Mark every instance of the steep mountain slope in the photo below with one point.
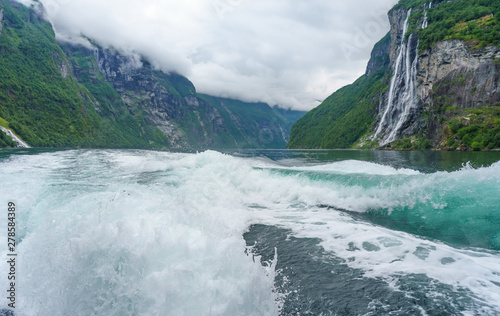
(39, 97)
(171, 103)
(54, 94)
(439, 90)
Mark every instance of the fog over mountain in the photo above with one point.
(287, 53)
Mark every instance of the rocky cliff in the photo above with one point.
(452, 61)
(456, 87)
(170, 103)
(380, 56)
(1, 20)
(433, 82)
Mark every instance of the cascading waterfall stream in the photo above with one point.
(409, 96)
(402, 96)
(393, 80)
(426, 21)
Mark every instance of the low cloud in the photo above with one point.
(287, 53)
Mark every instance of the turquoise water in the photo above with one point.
(109, 232)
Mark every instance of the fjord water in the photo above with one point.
(107, 232)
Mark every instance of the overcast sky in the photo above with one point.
(291, 53)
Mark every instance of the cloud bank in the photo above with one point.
(291, 53)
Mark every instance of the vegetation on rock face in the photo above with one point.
(473, 21)
(198, 121)
(411, 143)
(411, 4)
(471, 129)
(109, 103)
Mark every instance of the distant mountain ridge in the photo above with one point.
(62, 95)
(432, 82)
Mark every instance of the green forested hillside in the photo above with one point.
(252, 125)
(472, 21)
(342, 118)
(42, 100)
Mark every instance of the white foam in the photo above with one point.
(383, 253)
(120, 247)
(352, 167)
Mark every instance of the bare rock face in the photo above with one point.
(63, 64)
(380, 56)
(471, 79)
(1, 20)
(397, 20)
(138, 87)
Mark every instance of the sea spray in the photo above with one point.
(139, 233)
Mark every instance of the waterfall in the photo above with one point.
(408, 99)
(402, 97)
(426, 21)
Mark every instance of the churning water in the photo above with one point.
(104, 232)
